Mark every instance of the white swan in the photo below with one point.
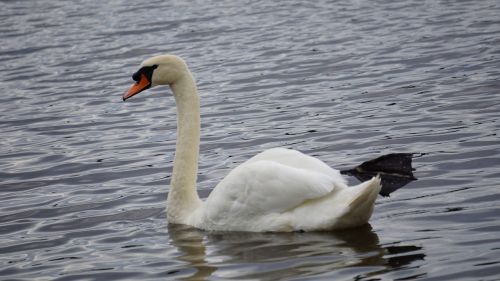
(277, 190)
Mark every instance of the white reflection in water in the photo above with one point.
(278, 255)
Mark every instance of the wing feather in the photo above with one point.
(262, 187)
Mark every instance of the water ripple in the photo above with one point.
(84, 177)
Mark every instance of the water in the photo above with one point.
(84, 177)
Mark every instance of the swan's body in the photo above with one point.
(277, 190)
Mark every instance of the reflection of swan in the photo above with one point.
(235, 255)
(190, 242)
(277, 190)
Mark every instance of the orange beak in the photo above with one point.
(138, 87)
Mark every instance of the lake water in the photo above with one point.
(84, 177)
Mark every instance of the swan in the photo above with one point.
(278, 190)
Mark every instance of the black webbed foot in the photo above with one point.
(394, 169)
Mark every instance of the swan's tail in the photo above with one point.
(366, 193)
(360, 203)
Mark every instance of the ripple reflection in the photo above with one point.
(272, 256)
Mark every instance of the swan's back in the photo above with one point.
(299, 160)
(279, 190)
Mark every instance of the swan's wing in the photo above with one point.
(297, 159)
(262, 187)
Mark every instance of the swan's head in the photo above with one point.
(159, 70)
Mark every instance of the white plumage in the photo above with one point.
(277, 190)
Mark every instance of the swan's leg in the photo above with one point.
(395, 171)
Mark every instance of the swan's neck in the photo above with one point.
(183, 198)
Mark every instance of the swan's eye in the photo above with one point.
(147, 70)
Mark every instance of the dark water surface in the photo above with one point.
(84, 177)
